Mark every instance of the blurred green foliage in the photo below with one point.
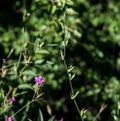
(35, 30)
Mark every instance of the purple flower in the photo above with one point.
(39, 80)
(4, 60)
(9, 119)
(62, 119)
(12, 99)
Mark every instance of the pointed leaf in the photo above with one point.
(63, 2)
(44, 52)
(28, 72)
(52, 45)
(29, 119)
(39, 61)
(52, 118)
(49, 62)
(36, 44)
(25, 86)
(54, 8)
(40, 116)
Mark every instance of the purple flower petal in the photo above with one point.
(39, 80)
(62, 119)
(9, 119)
(12, 99)
(4, 60)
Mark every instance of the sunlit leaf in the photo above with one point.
(54, 8)
(39, 61)
(63, 2)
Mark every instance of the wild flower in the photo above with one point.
(39, 80)
(9, 119)
(3, 60)
(62, 119)
(12, 99)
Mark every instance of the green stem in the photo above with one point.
(66, 68)
(22, 108)
(23, 69)
(77, 107)
(16, 64)
(33, 100)
(19, 60)
(70, 82)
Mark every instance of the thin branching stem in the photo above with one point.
(22, 108)
(66, 68)
(63, 54)
(71, 87)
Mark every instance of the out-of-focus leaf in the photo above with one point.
(52, 118)
(63, 2)
(44, 52)
(40, 116)
(25, 86)
(36, 44)
(43, 62)
(39, 61)
(52, 45)
(28, 72)
(29, 119)
(49, 62)
(54, 8)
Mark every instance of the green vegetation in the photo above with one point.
(74, 46)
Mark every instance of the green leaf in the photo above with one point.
(44, 52)
(49, 62)
(39, 61)
(52, 118)
(28, 72)
(52, 45)
(54, 8)
(43, 62)
(40, 116)
(36, 44)
(25, 86)
(29, 119)
(63, 2)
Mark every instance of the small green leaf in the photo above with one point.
(63, 2)
(36, 44)
(28, 72)
(49, 62)
(76, 33)
(29, 119)
(52, 45)
(25, 86)
(44, 52)
(72, 77)
(71, 68)
(40, 116)
(75, 95)
(52, 118)
(54, 8)
(43, 62)
(39, 61)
